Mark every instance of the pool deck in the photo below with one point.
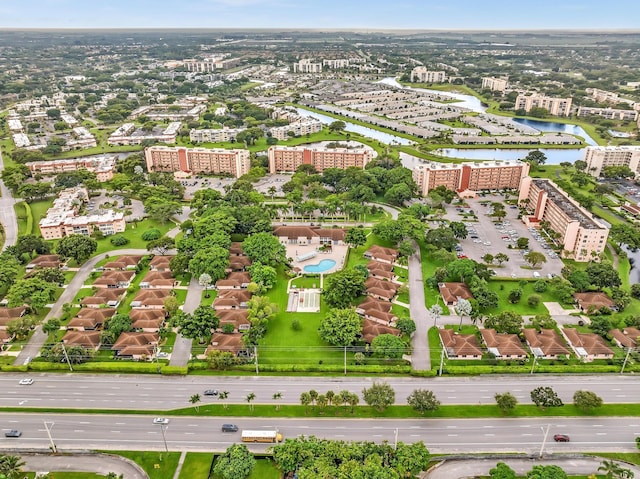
(338, 254)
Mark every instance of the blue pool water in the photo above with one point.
(321, 267)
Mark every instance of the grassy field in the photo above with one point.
(134, 233)
(502, 288)
(166, 462)
(196, 465)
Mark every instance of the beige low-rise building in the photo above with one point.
(62, 218)
(581, 236)
(304, 126)
(599, 157)
(103, 166)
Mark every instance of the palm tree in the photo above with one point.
(195, 399)
(613, 471)
(330, 395)
(354, 399)
(314, 396)
(276, 397)
(322, 402)
(272, 191)
(250, 397)
(11, 466)
(305, 400)
(344, 397)
(337, 401)
(222, 395)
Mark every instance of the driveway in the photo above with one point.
(463, 469)
(182, 347)
(97, 463)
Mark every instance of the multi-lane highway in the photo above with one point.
(153, 392)
(79, 431)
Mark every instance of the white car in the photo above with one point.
(161, 420)
(26, 382)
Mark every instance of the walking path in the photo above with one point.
(180, 464)
(182, 347)
(7, 212)
(463, 469)
(96, 463)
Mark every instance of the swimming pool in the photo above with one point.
(321, 267)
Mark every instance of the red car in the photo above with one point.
(561, 438)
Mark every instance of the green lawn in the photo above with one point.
(166, 462)
(503, 287)
(306, 282)
(265, 469)
(133, 233)
(196, 465)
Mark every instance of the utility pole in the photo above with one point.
(164, 439)
(535, 358)
(345, 360)
(255, 356)
(395, 443)
(66, 356)
(441, 361)
(544, 440)
(626, 358)
(47, 427)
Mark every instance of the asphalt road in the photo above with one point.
(461, 436)
(159, 393)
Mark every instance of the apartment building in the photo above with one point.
(127, 135)
(198, 160)
(336, 63)
(201, 66)
(305, 126)
(102, 166)
(289, 158)
(609, 113)
(555, 106)
(215, 136)
(62, 218)
(582, 236)
(598, 157)
(422, 75)
(494, 84)
(470, 177)
(306, 65)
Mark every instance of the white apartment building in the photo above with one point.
(62, 218)
(215, 136)
(609, 113)
(306, 65)
(582, 236)
(21, 140)
(14, 124)
(598, 157)
(494, 84)
(555, 106)
(301, 127)
(202, 66)
(338, 63)
(82, 138)
(127, 135)
(422, 75)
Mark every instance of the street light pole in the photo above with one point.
(395, 444)
(535, 358)
(544, 440)
(164, 439)
(47, 427)
(66, 356)
(626, 358)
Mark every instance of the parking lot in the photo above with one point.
(485, 236)
(262, 185)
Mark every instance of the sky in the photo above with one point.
(324, 14)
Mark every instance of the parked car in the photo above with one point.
(561, 438)
(12, 433)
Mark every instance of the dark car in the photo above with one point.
(211, 392)
(561, 438)
(12, 433)
(229, 428)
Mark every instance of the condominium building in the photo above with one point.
(301, 127)
(102, 166)
(555, 106)
(422, 75)
(472, 177)
(127, 135)
(599, 157)
(494, 84)
(582, 236)
(201, 66)
(289, 158)
(198, 160)
(609, 113)
(307, 66)
(215, 136)
(62, 218)
(336, 63)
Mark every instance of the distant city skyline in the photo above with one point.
(501, 15)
